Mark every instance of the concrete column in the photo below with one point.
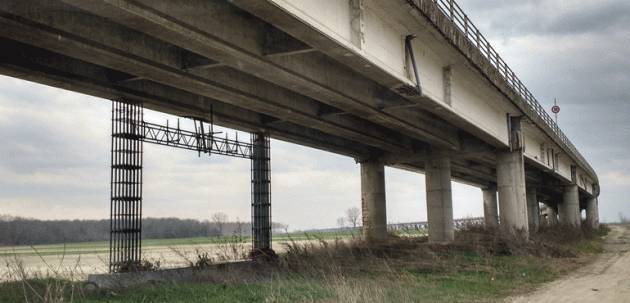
(552, 215)
(569, 209)
(439, 198)
(490, 209)
(512, 197)
(533, 210)
(373, 200)
(592, 212)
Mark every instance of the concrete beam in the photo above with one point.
(490, 207)
(569, 209)
(373, 200)
(312, 74)
(470, 168)
(278, 43)
(97, 41)
(439, 198)
(37, 65)
(512, 197)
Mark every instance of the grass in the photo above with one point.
(482, 278)
(481, 266)
(474, 279)
(103, 246)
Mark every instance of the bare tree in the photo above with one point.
(352, 215)
(623, 219)
(341, 222)
(219, 219)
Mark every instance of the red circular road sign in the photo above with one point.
(555, 109)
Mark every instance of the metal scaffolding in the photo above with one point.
(126, 187)
(198, 140)
(129, 131)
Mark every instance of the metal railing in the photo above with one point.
(460, 20)
(457, 223)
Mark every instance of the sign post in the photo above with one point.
(555, 109)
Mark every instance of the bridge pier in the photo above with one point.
(569, 209)
(373, 202)
(533, 210)
(261, 195)
(490, 209)
(552, 214)
(512, 194)
(592, 212)
(439, 198)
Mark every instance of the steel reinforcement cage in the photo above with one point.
(454, 13)
(126, 187)
(261, 192)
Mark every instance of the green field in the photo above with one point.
(103, 246)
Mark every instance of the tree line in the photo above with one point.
(26, 231)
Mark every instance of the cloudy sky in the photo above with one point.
(54, 155)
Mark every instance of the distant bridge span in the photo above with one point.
(404, 83)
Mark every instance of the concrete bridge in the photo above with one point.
(411, 84)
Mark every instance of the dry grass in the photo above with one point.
(480, 265)
(55, 284)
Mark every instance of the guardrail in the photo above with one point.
(458, 224)
(460, 20)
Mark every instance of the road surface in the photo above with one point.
(607, 279)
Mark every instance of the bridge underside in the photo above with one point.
(254, 76)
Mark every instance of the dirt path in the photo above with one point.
(605, 280)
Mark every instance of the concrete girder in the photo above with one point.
(241, 47)
(40, 66)
(269, 11)
(342, 146)
(478, 171)
(470, 149)
(281, 16)
(455, 174)
(58, 30)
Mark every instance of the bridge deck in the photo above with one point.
(333, 78)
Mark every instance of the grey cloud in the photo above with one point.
(547, 17)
